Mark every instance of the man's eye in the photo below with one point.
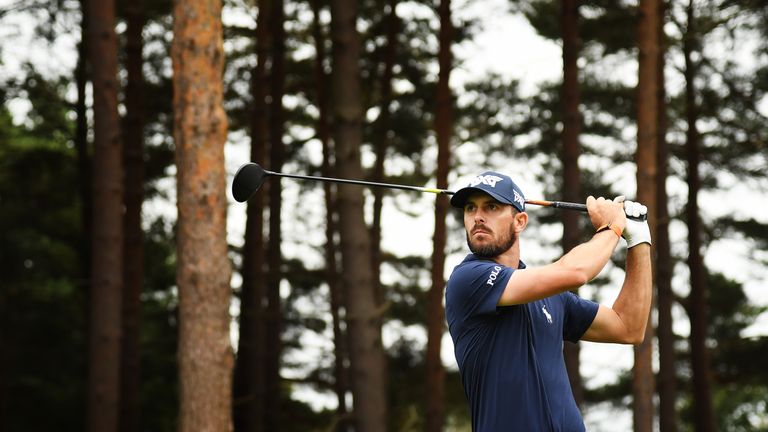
(492, 206)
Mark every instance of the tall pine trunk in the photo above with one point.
(645, 159)
(107, 230)
(203, 268)
(365, 346)
(435, 382)
(340, 373)
(133, 250)
(249, 391)
(381, 143)
(274, 313)
(569, 157)
(84, 167)
(704, 420)
(667, 380)
(82, 149)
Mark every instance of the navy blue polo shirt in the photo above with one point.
(511, 357)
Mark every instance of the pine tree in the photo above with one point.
(200, 127)
(435, 379)
(107, 235)
(133, 249)
(365, 346)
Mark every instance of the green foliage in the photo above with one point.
(605, 27)
(42, 301)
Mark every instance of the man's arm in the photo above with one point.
(626, 320)
(580, 265)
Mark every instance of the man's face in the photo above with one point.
(489, 225)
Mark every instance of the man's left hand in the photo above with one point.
(636, 231)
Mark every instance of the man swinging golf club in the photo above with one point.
(508, 321)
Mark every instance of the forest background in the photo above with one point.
(130, 302)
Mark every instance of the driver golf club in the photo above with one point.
(251, 176)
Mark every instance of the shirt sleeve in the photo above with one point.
(474, 288)
(579, 314)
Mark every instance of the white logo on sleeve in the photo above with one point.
(489, 179)
(493, 276)
(549, 317)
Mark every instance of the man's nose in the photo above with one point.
(479, 216)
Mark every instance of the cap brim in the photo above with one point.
(460, 197)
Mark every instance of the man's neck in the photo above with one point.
(510, 258)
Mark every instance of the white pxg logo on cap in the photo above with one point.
(497, 185)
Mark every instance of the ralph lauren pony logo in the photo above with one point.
(549, 317)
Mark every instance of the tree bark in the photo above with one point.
(645, 159)
(340, 372)
(82, 148)
(274, 312)
(435, 380)
(703, 416)
(203, 269)
(667, 381)
(107, 230)
(382, 129)
(133, 249)
(249, 391)
(569, 158)
(365, 346)
(380, 144)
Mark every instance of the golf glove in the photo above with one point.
(636, 231)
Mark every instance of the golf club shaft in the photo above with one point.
(250, 176)
(554, 204)
(362, 183)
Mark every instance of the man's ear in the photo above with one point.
(521, 221)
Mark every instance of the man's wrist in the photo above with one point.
(609, 226)
(635, 246)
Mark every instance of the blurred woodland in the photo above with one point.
(115, 318)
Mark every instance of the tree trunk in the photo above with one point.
(274, 312)
(107, 232)
(365, 346)
(84, 166)
(435, 379)
(703, 415)
(570, 160)
(645, 159)
(133, 249)
(382, 129)
(667, 382)
(203, 268)
(81, 147)
(380, 144)
(341, 383)
(249, 391)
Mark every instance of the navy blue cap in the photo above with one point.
(497, 185)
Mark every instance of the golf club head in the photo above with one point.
(247, 181)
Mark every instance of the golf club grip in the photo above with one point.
(575, 206)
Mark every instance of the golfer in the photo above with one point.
(508, 321)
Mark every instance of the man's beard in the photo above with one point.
(492, 250)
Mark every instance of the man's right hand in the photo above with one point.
(603, 212)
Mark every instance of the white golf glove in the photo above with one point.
(636, 232)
